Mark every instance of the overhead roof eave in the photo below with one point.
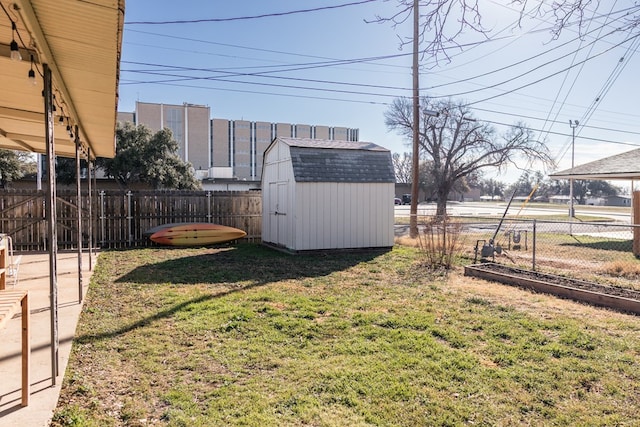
(623, 166)
(602, 176)
(81, 44)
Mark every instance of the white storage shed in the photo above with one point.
(327, 194)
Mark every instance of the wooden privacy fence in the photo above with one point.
(120, 218)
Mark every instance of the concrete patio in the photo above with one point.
(33, 275)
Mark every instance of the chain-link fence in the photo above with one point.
(592, 251)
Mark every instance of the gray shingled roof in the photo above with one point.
(317, 160)
(621, 166)
(331, 143)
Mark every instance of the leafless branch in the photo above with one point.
(441, 22)
(565, 12)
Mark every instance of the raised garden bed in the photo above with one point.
(620, 299)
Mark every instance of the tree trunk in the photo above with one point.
(441, 209)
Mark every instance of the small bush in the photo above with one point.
(440, 242)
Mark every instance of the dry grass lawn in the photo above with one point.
(249, 336)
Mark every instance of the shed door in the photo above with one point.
(278, 212)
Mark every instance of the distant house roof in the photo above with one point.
(317, 160)
(621, 166)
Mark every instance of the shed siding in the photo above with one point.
(343, 215)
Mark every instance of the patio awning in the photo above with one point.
(59, 70)
(81, 42)
(621, 166)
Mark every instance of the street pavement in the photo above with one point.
(490, 209)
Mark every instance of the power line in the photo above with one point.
(477, 76)
(263, 93)
(359, 60)
(243, 18)
(284, 67)
(336, 62)
(251, 48)
(227, 80)
(523, 116)
(388, 104)
(573, 65)
(613, 76)
(257, 74)
(543, 78)
(566, 134)
(568, 92)
(190, 39)
(182, 78)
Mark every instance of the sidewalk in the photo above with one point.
(34, 276)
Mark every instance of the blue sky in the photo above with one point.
(309, 73)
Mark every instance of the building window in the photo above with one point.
(175, 121)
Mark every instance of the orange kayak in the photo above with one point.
(195, 234)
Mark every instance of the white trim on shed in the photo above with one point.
(321, 194)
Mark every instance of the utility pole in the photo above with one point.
(573, 124)
(415, 176)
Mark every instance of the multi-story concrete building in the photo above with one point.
(221, 149)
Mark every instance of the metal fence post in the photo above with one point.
(533, 267)
(209, 206)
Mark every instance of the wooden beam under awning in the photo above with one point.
(17, 114)
(33, 143)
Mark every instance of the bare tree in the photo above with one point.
(459, 146)
(402, 167)
(442, 21)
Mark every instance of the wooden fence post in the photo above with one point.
(102, 218)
